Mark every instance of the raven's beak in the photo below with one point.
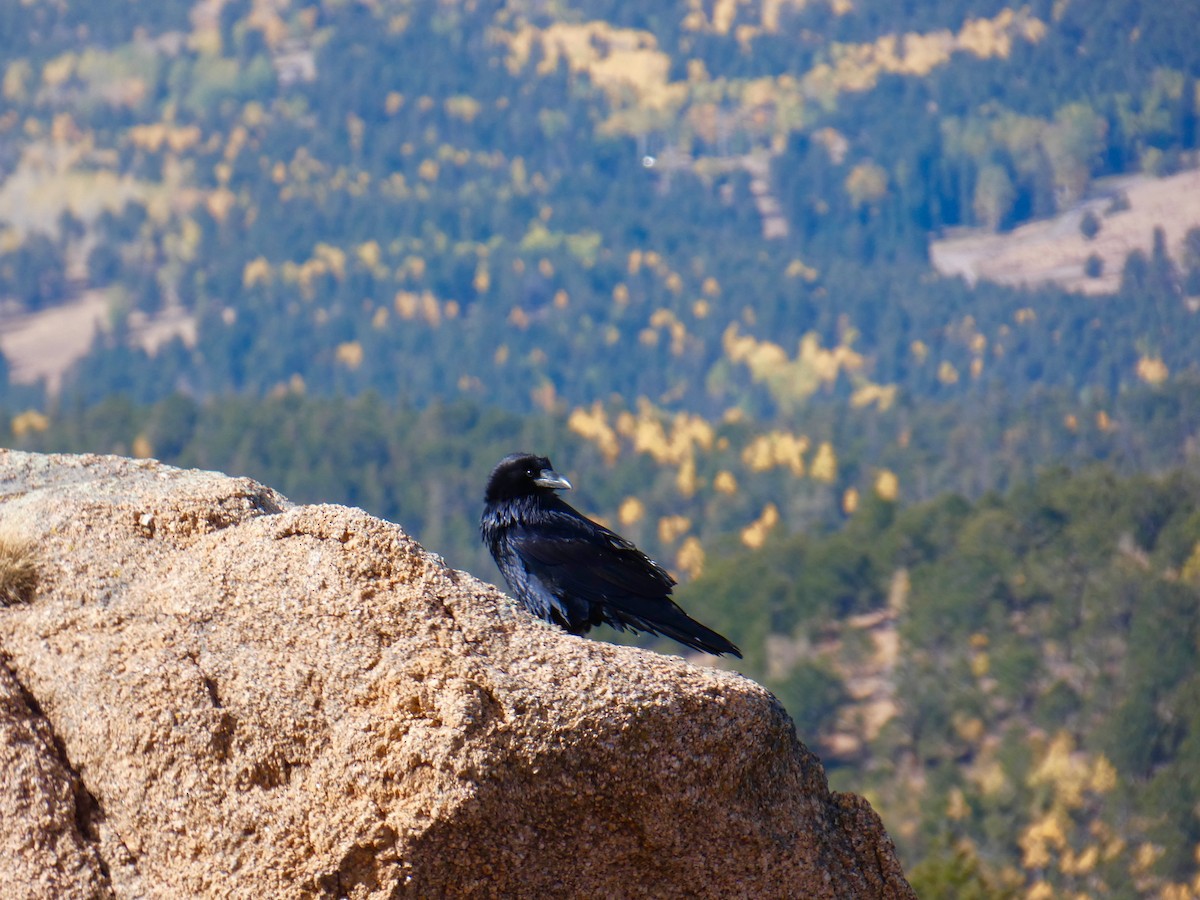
(548, 478)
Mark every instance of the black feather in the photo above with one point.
(571, 571)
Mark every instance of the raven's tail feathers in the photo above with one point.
(679, 626)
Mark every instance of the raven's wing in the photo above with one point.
(587, 560)
(598, 576)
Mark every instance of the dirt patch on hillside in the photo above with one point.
(44, 345)
(1055, 250)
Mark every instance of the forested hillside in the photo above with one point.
(1014, 678)
(698, 236)
(360, 249)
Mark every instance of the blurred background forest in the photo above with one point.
(876, 323)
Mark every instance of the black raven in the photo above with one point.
(567, 569)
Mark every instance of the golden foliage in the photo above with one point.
(349, 354)
(649, 435)
(836, 144)
(631, 511)
(774, 449)
(723, 14)
(947, 374)
(1181, 891)
(219, 203)
(753, 19)
(430, 311)
(483, 279)
(265, 17)
(988, 37)
(1152, 370)
(142, 448)
(255, 272)
(18, 77)
(463, 107)
(625, 63)
(29, 422)
(725, 483)
(672, 528)
(592, 425)
(428, 170)
(883, 396)
(518, 317)
(1145, 857)
(1063, 769)
(857, 67)
(794, 381)
(887, 485)
(797, 268)
(411, 306)
(685, 477)
(545, 397)
(981, 664)
(1041, 837)
(1191, 568)
(369, 254)
(866, 184)
(63, 129)
(956, 805)
(690, 558)
(414, 268)
(1103, 777)
(57, 71)
(824, 464)
(519, 176)
(755, 534)
(666, 319)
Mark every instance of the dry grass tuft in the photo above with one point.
(18, 570)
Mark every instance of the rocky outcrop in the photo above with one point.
(212, 692)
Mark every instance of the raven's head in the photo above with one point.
(523, 475)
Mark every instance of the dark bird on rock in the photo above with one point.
(571, 571)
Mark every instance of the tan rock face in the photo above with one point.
(215, 693)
